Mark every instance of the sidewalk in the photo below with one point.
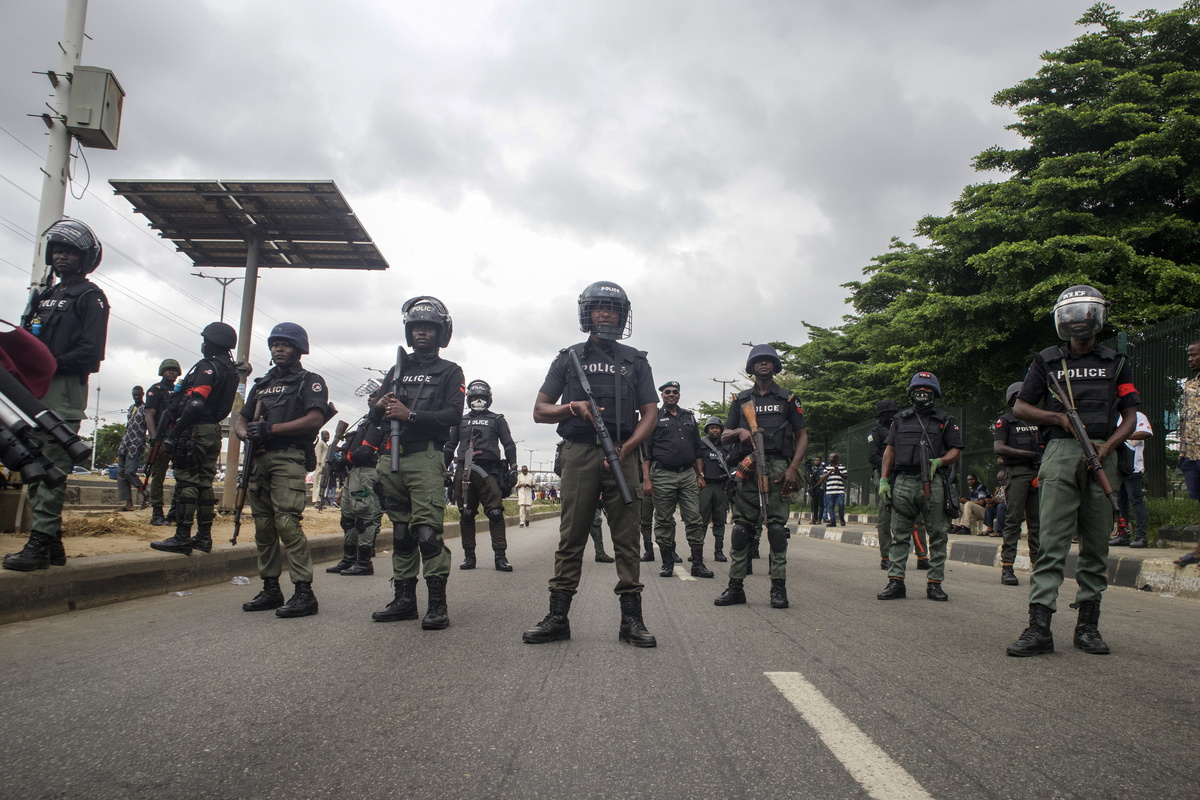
(1148, 570)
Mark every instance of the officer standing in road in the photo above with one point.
(646, 495)
(785, 438)
(714, 497)
(360, 508)
(486, 433)
(885, 412)
(429, 403)
(676, 477)
(160, 414)
(1100, 383)
(71, 319)
(194, 441)
(283, 412)
(1019, 446)
(623, 385)
(922, 424)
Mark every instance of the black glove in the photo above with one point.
(168, 442)
(259, 431)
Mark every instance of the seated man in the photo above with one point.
(996, 511)
(973, 506)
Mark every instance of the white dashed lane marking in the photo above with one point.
(873, 769)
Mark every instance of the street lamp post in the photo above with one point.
(224, 285)
(723, 385)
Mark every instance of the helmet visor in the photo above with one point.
(1079, 319)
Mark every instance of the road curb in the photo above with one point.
(101, 580)
(1146, 569)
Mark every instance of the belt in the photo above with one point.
(662, 466)
(907, 470)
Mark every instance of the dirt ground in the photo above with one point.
(93, 533)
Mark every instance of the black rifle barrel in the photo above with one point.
(606, 442)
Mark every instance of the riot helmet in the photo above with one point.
(1010, 394)
(1080, 313)
(291, 333)
(885, 410)
(923, 389)
(220, 334)
(713, 421)
(759, 352)
(605, 294)
(479, 395)
(74, 233)
(427, 309)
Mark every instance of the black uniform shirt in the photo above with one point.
(74, 326)
(491, 434)
(876, 444)
(600, 362)
(779, 415)
(287, 394)
(675, 443)
(214, 379)
(434, 391)
(1101, 382)
(910, 427)
(1019, 435)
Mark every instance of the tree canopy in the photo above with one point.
(1106, 191)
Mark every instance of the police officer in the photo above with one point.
(885, 412)
(71, 319)
(195, 439)
(922, 424)
(676, 477)
(360, 510)
(646, 495)
(283, 412)
(429, 403)
(485, 432)
(1019, 445)
(161, 409)
(1072, 502)
(785, 438)
(623, 385)
(714, 499)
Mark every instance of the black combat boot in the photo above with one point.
(648, 555)
(934, 591)
(894, 591)
(468, 561)
(668, 562)
(754, 549)
(58, 553)
(436, 617)
(675, 556)
(734, 594)
(180, 543)
(632, 629)
(156, 517)
(1087, 630)
(779, 593)
(348, 553)
(555, 627)
(885, 563)
(270, 597)
(719, 549)
(34, 555)
(698, 568)
(1037, 638)
(922, 563)
(202, 541)
(404, 606)
(1007, 576)
(1120, 540)
(363, 565)
(502, 564)
(1137, 543)
(647, 548)
(302, 604)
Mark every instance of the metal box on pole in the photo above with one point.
(94, 114)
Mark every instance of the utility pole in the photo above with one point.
(96, 430)
(224, 285)
(723, 385)
(56, 172)
(531, 452)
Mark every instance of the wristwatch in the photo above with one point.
(412, 416)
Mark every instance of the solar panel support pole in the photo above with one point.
(254, 243)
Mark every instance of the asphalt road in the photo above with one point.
(840, 696)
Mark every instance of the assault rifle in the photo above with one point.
(926, 471)
(1089, 450)
(331, 458)
(606, 442)
(243, 481)
(759, 456)
(164, 423)
(397, 424)
(464, 479)
(720, 456)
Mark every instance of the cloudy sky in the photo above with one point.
(729, 164)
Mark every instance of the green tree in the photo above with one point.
(108, 439)
(1106, 191)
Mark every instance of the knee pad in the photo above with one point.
(740, 539)
(402, 540)
(777, 536)
(288, 528)
(468, 514)
(429, 541)
(206, 509)
(347, 524)
(495, 514)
